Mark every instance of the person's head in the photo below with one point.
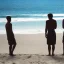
(8, 18)
(50, 15)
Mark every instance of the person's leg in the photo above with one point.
(53, 49)
(14, 45)
(49, 49)
(63, 43)
(63, 48)
(10, 49)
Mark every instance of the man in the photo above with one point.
(63, 35)
(50, 34)
(10, 36)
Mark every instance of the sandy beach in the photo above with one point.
(30, 44)
(30, 49)
(31, 59)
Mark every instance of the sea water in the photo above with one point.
(30, 21)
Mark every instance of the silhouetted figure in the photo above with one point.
(50, 34)
(63, 35)
(10, 36)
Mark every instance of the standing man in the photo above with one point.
(10, 36)
(50, 34)
(63, 35)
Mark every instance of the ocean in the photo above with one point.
(30, 21)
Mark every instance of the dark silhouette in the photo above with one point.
(10, 36)
(50, 34)
(63, 35)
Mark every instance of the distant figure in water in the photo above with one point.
(10, 36)
(63, 35)
(50, 34)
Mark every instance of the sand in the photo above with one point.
(31, 59)
(30, 44)
(31, 49)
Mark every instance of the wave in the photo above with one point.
(30, 31)
(43, 15)
(32, 15)
(29, 19)
(30, 22)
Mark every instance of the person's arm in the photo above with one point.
(11, 28)
(46, 30)
(6, 28)
(55, 24)
(63, 24)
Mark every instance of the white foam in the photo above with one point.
(29, 19)
(26, 19)
(2, 32)
(42, 14)
(30, 31)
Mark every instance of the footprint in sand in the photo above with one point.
(13, 63)
(29, 57)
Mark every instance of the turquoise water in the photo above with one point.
(30, 23)
(29, 16)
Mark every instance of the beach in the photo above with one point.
(31, 44)
(28, 18)
(31, 49)
(31, 59)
